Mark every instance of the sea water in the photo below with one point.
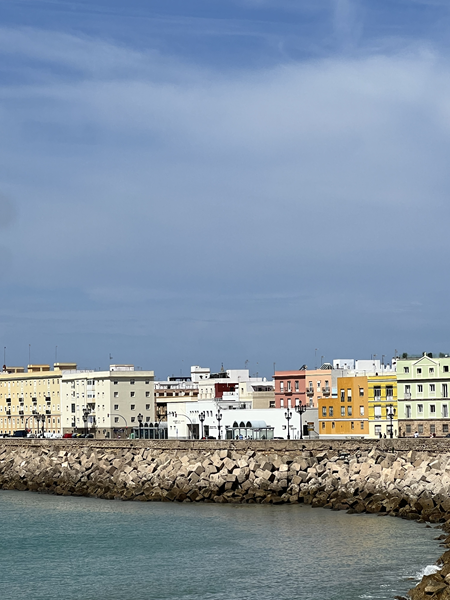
(67, 548)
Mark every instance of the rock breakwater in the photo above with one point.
(382, 478)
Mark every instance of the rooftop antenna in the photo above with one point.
(315, 359)
(4, 355)
(56, 354)
(29, 354)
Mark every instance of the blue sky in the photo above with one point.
(213, 182)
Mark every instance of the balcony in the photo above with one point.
(326, 391)
(48, 411)
(8, 411)
(21, 412)
(407, 395)
(310, 391)
(8, 400)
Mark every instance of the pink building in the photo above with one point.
(290, 388)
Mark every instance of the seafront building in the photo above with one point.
(345, 414)
(423, 395)
(382, 405)
(107, 404)
(31, 399)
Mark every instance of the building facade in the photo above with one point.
(31, 399)
(108, 404)
(290, 388)
(382, 402)
(423, 395)
(345, 414)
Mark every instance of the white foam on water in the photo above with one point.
(428, 570)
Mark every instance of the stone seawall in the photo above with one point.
(405, 478)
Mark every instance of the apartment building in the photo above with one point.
(31, 399)
(423, 395)
(345, 414)
(290, 388)
(108, 404)
(382, 402)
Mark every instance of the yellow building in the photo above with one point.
(31, 399)
(382, 400)
(345, 415)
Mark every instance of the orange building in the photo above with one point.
(346, 414)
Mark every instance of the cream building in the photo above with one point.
(107, 403)
(31, 399)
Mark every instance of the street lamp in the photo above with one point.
(140, 418)
(288, 415)
(43, 424)
(390, 413)
(219, 418)
(300, 409)
(201, 418)
(85, 419)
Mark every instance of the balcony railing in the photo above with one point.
(8, 400)
(326, 391)
(310, 391)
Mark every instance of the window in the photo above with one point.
(349, 411)
(377, 392)
(408, 429)
(445, 368)
(332, 425)
(362, 424)
(116, 407)
(432, 428)
(116, 394)
(132, 394)
(115, 382)
(408, 411)
(420, 429)
(432, 409)
(432, 388)
(431, 370)
(73, 408)
(377, 429)
(445, 428)
(342, 395)
(318, 385)
(420, 408)
(361, 391)
(289, 386)
(349, 394)
(296, 386)
(324, 411)
(282, 402)
(389, 392)
(147, 407)
(147, 394)
(361, 411)
(323, 424)
(444, 390)
(419, 371)
(297, 402)
(116, 419)
(445, 411)
(330, 411)
(405, 369)
(342, 411)
(419, 388)
(133, 419)
(281, 385)
(131, 381)
(147, 382)
(271, 403)
(133, 407)
(353, 425)
(377, 410)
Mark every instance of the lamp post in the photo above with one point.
(140, 418)
(390, 413)
(300, 409)
(85, 419)
(288, 415)
(43, 424)
(201, 418)
(219, 418)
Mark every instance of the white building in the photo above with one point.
(107, 403)
(183, 421)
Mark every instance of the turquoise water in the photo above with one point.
(63, 548)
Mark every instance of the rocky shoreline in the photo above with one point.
(358, 477)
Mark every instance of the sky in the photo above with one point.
(253, 183)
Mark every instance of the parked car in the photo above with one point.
(20, 433)
(67, 435)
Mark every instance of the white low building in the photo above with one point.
(183, 421)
